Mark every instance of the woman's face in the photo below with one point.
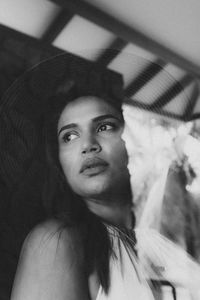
(91, 151)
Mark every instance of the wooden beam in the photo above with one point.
(172, 92)
(191, 104)
(195, 116)
(127, 33)
(146, 107)
(31, 41)
(111, 52)
(146, 75)
(57, 26)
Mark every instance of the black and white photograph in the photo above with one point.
(99, 150)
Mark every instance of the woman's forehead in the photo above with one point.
(87, 107)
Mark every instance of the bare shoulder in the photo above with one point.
(50, 239)
(51, 265)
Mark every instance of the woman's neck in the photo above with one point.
(118, 214)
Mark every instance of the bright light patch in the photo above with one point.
(131, 62)
(83, 38)
(27, 16)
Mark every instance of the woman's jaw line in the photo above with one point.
(117, 211)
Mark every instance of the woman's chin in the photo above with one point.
(95, 188)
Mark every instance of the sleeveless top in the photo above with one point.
(156, 258)
(127, 281)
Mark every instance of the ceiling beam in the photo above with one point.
(146, 75)
(191, 104)
(112, 51)
(146, 107)
(172, 92)
(129, 34)
(57, 26)
(30, 41)
(195, 116)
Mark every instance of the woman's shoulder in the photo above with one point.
(51, 239)
(53, 229)
(51, 263)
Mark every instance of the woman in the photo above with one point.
(86, 247)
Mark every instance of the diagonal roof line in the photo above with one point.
(112, 51)
(131, 35)
(146, 75)
(57, 26)
(172, 92)
(187, 115)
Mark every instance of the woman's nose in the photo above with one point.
(90, 144)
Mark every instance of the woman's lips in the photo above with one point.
(93, 166)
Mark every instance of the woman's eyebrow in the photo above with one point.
(96, 119)
(107, 116)
(68, 126)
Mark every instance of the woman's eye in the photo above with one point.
(105, 127)
(68, 137)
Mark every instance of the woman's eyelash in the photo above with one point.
(106, 126)
(69, 136)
